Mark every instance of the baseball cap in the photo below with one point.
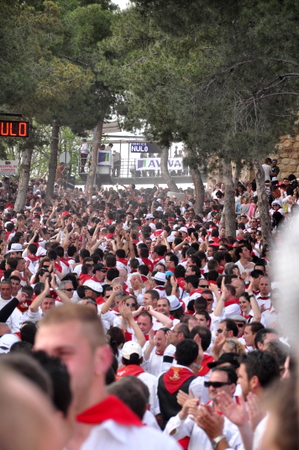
(231, 358)
(131, 347)
(99, 266)
(6, 341)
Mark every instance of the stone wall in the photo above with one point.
(288, 156)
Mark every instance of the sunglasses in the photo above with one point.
(69, 289)
(130, 304)
(46, 267)
(204, 286)
(220, 330)
(241, 325)
(216, 384)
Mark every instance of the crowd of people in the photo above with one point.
(127, 320)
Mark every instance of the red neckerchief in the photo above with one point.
(212, 282)
(94, 278)
(128, 371)
(204, 369)
(255, 292)
(124, 261)
(109, 235)
(180, 281)
(157, 260)
(233, 301)
(148, 263)
(159, 288)
(158, 232)
(84, 277)
(144, 278)
(159, 353)
(264, 298)
(109, 409)
(175, 377)
(100, 300)
(246, 317)
(23, 307)
(196, 291)
(65, 261)
(33, 258)
(220, 269)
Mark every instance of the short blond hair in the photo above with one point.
(91, 322)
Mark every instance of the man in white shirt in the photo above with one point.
(75, 334)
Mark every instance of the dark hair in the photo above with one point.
(231, 326)
(232, 376)
(255, 326)
(186, 352)
(61, 382)
(261, 334)
(127, 391)
(116, 338)
(192, 279)
(262, 365)
(205, 335)
(28, 332)
(112, 273)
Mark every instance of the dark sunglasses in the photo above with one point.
(46, 267)
(69, 289)
(204, 286)
(216, 384)
(130, 304)
(241, 325)
(220, 330)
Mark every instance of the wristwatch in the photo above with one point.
(216, 441)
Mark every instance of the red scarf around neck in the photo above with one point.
(109, 409)
(130, 370)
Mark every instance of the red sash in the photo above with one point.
(58, 267)
(175, 377)
(109, 409)
(130, 370)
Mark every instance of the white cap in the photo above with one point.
(97, 287)
(184, 229)
(160, 276)
(131, 347)
(6, 341)
(149, 216)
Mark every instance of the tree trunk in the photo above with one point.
(53, 160)
(229, 200)
(24, 178)
(91, 176)
(164, 171)
(199, 190)
(237, 172)
(263, 202)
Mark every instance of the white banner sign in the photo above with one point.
(155, 164)
(8, 167)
